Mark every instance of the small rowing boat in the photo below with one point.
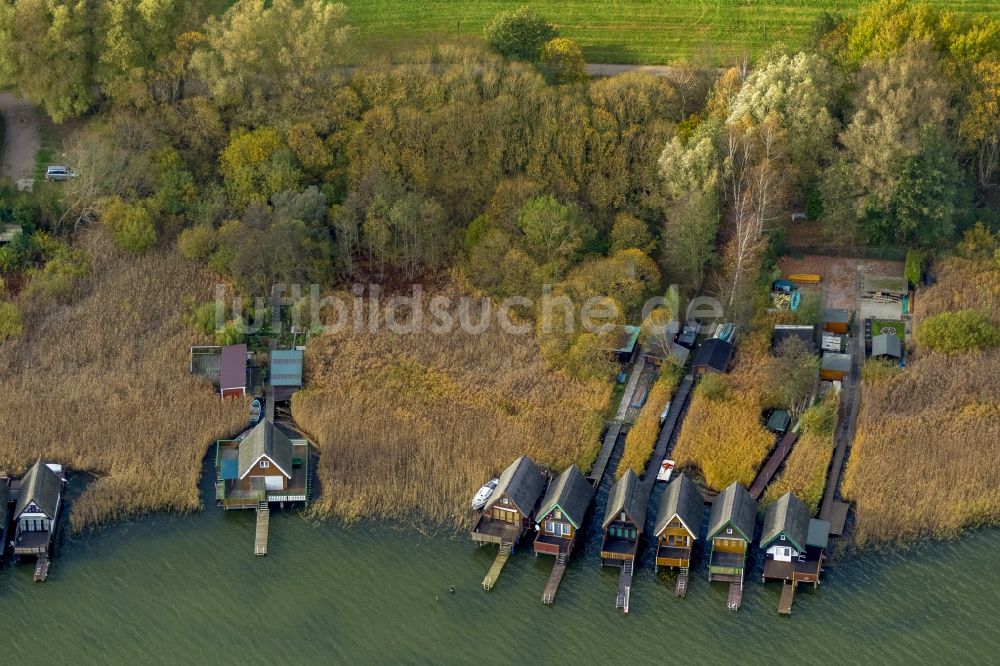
(666, 469)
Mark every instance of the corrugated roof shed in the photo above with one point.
(233, 367)
(887, 345)
(683, 500)
(627, 495)
(788, 516)
(837, 315)
(736, 508)
(571, 492)
(266, 438)
(42, 486)
(714, 353)
(522, 482)
(286, 367)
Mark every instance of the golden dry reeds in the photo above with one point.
(409, 426)
(805, 469)
(923, 460)
(103, 385)
(641, 438)
(722, 435)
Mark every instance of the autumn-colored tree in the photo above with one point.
(519, 33)
(257, 164)
(130, 224)
(563, 60)
(980, 126)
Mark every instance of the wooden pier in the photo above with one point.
(770, 467)
(735, 596)
(552, 587)
(624, 586)
(494, 573)
(263, 522)
(42, 568)
(787, 594)
(681, 589)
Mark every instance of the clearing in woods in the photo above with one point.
(631, 31)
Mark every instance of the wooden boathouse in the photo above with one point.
(624, 520)
(36, 515)
(794, 546)
(508, 513)
(678, 523)
(730, 532)
(559, 521)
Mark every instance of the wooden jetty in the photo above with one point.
(42, 568)
(263, 521)
(770, 467)
(494, 573)
(735, 596)
(837, 517)
(601, 463)
(552, 586)
(624, 586)
(787, 594)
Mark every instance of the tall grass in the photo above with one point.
(723, 436)
(411, 425)
(641, 439)
(923, 462)
(804, 473)
(102, 385)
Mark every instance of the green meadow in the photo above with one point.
(624, 31)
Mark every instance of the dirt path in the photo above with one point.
(22, 137)
(597, 69)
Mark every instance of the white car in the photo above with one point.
(59, 173)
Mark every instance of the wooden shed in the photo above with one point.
(508, 513)
(730, 531)
(624, 520)
(792, 542)
(835, 367)
(782, 332)
(625, 344)
(713, 355)
(678, 523)
(888, 346)
(560, 516)
(836, 320)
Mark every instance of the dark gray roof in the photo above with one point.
(819, 533)
(522, 482)
(628, 495)
(837, 362)
(837, 315)
(42, 486)
(736, 508)
(714, 353)
(887, 345)
(571, 492)
(233, 367)
(682, 499)
(788, 516)
(784, 332)
(265, 438)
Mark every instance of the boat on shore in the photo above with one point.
(666, 470)
(483, 494)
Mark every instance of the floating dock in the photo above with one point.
(494, 573)
(263, 522)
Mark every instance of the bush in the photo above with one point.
(518, 34)
(130, 223)
(629, 232)
(231, 333)
(879, 370)
(958, 332)
(197, 243)
(714, 387)
(57, 280)
(914, 266)
(563, 60)
(10, 321)
(203, 319)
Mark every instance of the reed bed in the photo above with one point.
(410, 425)
(641, 438)
(102, 385)
(723, 436)
(805, 470)
(922, 463)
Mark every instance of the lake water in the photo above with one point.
(174, 589)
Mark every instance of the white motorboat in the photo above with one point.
(483, 496)
(666, 469)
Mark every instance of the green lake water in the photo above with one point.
(188, 589)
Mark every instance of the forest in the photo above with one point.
(246, 138)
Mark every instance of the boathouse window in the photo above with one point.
(729, 530)
(550, 527)
(264, 464)
(623, 517)
(557, 514)
(782, 537)
(564, 529)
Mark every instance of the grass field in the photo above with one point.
(624, 31)
(880, 326)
